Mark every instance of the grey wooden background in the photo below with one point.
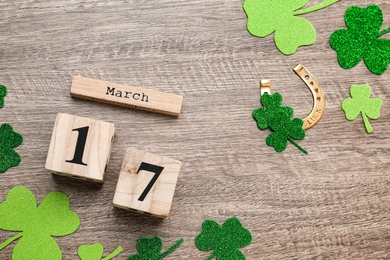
(330, 204)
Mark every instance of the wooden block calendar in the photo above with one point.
(127, 96)
(80, 147)
(146, 183)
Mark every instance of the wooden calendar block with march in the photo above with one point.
(80, 147)
(147, 183)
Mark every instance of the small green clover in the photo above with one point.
(3, 93)
(9, 139)
(362, 103)
(224, 241)
(95, 252)
(278, 119)
(150, 249)
(285, 129)
(362, 40)
(272, 104)
(37, 225)
(280, 17)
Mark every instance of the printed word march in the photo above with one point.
(126, 94)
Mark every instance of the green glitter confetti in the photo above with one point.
(37, 225)
(362, 40)
(150, 249)
(280, 17)
(362, 103)
(95, 252)
(3, 93)
(9, 139)
(278, 119)
(225, 240)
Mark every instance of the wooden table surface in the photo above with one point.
(330, 204)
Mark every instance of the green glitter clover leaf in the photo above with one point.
(150, 249)
(95, 252)
(37, 225)
(280, 17)
(3, 93)
(9, 139)
(272, 104)
(362, 40)
(362, 103)
(278, 119)
(224, 241)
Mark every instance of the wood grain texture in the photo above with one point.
(330, 204)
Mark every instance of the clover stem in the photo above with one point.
(211, 256)
(367, 124)
(173, 248)
(10, 240)
(116, 252)
(381, 33)
(297, 145)
(313, 8)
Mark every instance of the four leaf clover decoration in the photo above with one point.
(37, 225)
(281, 18)
(9, 139)
(362, 40)
(150, 249)
(95, 252)
(224, 241)
(362, 103)
(278, 119)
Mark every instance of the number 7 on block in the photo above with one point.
(150, 168)
(147, 183)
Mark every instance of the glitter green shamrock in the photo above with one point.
(9, 139)
(36, 225)
(362, 40)
(150, 249)
(3, 93)
(281, 18)
(362, 103)
(95, 252)
(278, 119)
(224, 241)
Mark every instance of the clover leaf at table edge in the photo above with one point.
(362, 40)
(9, 139)
(149, 248)
(280, 17)
(3, 93)
(95, 252)
(36, 225)
(225, 241)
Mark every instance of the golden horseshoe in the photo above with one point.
(316, 91)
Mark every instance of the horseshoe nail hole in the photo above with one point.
(312, 83)
(316, 90)
(307, 77)
(319, 99)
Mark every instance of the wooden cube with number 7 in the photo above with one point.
(80, 147)
(147, 183)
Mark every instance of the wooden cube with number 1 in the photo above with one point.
(147, 183)
(80, 147)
